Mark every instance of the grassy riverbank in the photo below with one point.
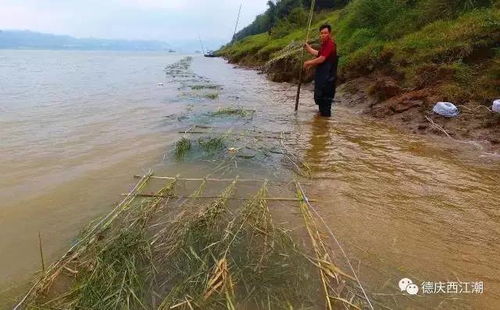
(404, 56)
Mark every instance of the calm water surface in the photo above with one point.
(74, 127)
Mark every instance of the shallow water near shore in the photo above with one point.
(76, 126)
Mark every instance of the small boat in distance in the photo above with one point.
(210, 54)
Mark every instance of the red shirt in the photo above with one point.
(328, 50)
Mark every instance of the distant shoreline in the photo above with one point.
(25, 39)
(84, 50)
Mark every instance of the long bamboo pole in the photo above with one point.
(213, 180)
(201, 43)
(237, 21)
(40, 246)
(219, 197)
(311, 13)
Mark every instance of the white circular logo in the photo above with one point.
(412, 289)
(407, 285)
(403, 283)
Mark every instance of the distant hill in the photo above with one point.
(24, 39)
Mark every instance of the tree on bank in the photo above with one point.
(290, 12)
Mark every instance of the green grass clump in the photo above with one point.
(232, 112)
(211, 145)
(120, 270)
(182, 147)
(212, 96)
(198, 87)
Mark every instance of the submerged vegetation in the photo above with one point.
(179, 68)
(192, 85)
(155, 252)
(233, 148)
(208, 145)
(212, 96)
(198, 87)
(233, 112)
(211, 145)
(182, 147)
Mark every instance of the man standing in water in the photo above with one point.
(326, 70)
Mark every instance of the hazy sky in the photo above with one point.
(164, 20)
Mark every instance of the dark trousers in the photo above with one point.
(324, 93)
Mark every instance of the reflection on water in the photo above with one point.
(408, 208)
(402, 206)
(320, 137)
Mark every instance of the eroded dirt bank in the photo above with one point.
(381, 98)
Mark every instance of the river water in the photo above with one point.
(76, 126)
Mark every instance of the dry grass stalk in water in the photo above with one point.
(228, 259)
(220, 254)
(44, 283)
(114, 271)
(301, 168)
(221, 280)
(333, 279)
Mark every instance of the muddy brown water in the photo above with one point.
(401, 206)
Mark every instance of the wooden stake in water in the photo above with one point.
(41, 251)
(311, 13)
